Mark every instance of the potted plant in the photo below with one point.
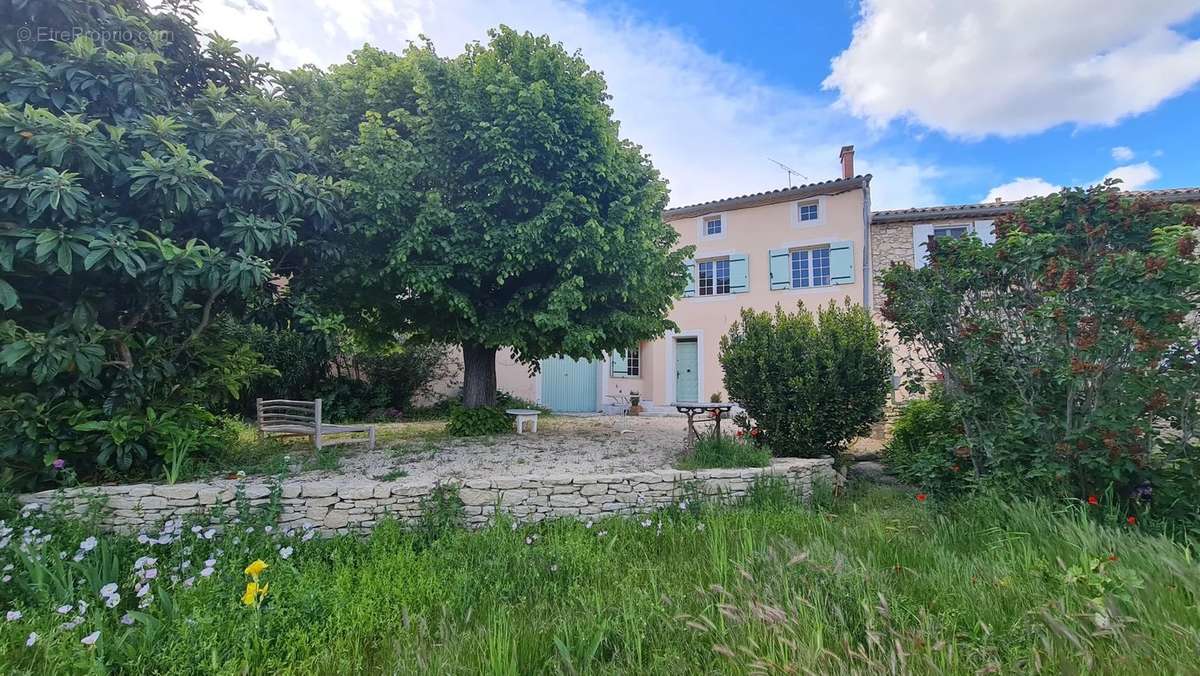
(635, 403)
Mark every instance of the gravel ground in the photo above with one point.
(563, 445)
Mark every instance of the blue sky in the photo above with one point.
(945, 101)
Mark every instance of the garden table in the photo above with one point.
(711, 412)
(522, 416)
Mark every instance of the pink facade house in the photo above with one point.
(809, 244)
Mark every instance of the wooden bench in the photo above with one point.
(522, 416)
(286, 417)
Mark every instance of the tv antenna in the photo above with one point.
(789, 171)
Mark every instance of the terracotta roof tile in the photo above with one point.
(832, 187)
(999, 208)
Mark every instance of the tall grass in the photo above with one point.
(724, 452)
(879, 583)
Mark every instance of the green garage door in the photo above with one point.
(569, 385)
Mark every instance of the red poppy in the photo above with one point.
(1092, 500)
(1131, 520)
(754, 432)
(921, 497)
(1112, 557)
(740, 433)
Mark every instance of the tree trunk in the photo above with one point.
(479, 376)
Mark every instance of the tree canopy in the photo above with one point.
(495, 204)
(148, 184)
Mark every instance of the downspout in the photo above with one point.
(868, 273)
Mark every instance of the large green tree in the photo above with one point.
(496, 205)
(149, 180)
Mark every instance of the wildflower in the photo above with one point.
(189, 582)
(8, 567)
(268, 529)
(142, 538)
(142, 590)
(683, 505)
(529, 540)
(1093, 500)
(150, 573)
(127, 619)
(71, 624)
(12, 615)
(33, 637)
(255, 569)
(554, 568)
(308, 535)
(208, 534)
(249, 529)
(921, 497)
(88, 544)
(700, 527)
(6, 578)
(196, 530)
(647, 523)
(206, 572)
(209, 563)
(112, 600)
(601, 533)
(1131, 520)
(108, 590)
(285, 552)
(63, 610)
(740, 434)
(91, 638)
(58, 463)
(254, 594)
(590, 523)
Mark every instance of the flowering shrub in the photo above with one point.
(1066, 347)
(927, 447)
(810, 382)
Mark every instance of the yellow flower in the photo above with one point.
(251, 594)
(256, 568)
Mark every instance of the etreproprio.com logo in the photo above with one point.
(58, 34)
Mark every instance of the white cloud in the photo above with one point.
(1012, 67)
(1122, 153)
(246, 21)
(1020, 188)
(708, 125)
(1134, 176)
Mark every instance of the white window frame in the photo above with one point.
(792, 251)
(713, 260)
(633, 357)
(819, 202)
(965, 227)
(702, 226)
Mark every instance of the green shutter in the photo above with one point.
(620, 365)
(691, 285)
(781, 269)
(739, 274)
(841, 263)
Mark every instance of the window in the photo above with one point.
(810, 267)
(713, 226)
(714, 277)
(951, 232)
(809, 212)
(628, 367)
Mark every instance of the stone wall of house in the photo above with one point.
(890, 243)
(350, 504)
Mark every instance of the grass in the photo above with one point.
(874, 584)
(711, 452)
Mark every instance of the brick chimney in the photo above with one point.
(847, 156)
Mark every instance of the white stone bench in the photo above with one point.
(524, 415)
(287, 417)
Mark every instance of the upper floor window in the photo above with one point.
(810, 267)
(713, 226)
(809, 212)
(713, 277)
(951, 231)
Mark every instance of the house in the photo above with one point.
(814, 243)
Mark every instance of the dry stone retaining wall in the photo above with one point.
(348, 504)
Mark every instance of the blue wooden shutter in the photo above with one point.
(986, 232)
(690, 290)
(620, 365)
(739, 274)
(841, 263)
(921, 235)
(781, 269)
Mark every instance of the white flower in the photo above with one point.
(12, 615)
(700, 527)
(196, 529)
(127, 619)
(108, 590)
(590, 524)
(8, 567)
(63, 555)
(83, 606)
(189, 582)
(6, 578)
(268, 529)
(91, 638)
(68, 626)
(88, 544)
(647, 523)
(112, 600)
(209, 563)
(683, 504)
(206, 572)
(150, 573)
(285, 552)
(308, 535)
(142, 538)
(601, 533)
(33, 637)
(208, 534)
(529, 540)
(249, 529)
(63, 610)
(512, 526)
(554, 568)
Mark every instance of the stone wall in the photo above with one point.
(890, 243)
(349, 504)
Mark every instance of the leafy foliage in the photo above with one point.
(809, 383)
(496, 205)
(146, 184)
(474, 422)
(1068, 346)
(927, 447)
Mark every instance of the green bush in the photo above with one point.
(475, 422)
(927, 447)
(727, 451)
(1066, 346)
(810, 383)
